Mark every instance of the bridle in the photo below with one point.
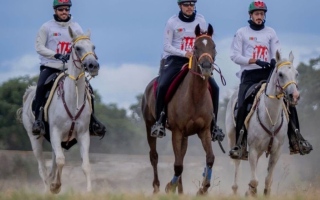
(198, 58)
(78, 59)
(282, 88)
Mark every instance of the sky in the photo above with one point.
(128, 36)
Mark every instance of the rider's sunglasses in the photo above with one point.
(63, 9)
(186, 4)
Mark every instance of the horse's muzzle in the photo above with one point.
(92, 67)
(206, 68)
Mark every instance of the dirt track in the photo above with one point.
(124, 173)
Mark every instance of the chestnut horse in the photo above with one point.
(189, 112)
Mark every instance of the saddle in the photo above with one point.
(51, 85)
(174, 84)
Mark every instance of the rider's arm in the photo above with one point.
(236, 51)
(168, 38)
(274, 45)
(41, 42)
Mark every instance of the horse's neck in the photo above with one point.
(270, 107)
(197, 86)
(74, 89)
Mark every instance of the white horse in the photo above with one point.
(268, 124)
(68, 101)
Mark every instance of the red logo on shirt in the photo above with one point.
(187, 43)
(64, 47)
(260, 52)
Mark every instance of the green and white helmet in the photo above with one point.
(57, 3)
(257, 5)
(181, 1)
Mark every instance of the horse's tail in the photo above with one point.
(25, 96)
(19, 114)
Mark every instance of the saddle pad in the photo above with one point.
(53, 90)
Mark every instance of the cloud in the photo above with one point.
(25, 65)
(121, 84)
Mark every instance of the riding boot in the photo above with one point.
(38, 127)
(297, 144)
(216, 132)
(96, 128)
(239, 151)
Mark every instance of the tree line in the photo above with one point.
(126, 133)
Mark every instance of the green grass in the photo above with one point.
(24, 195)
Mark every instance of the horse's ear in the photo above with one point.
(88, 33)
(278, 56)
(291, 57)
(210, 30)
(197, 31)
(71, 33)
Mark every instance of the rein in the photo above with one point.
(211, 60)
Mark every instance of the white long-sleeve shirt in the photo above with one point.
(52, 38)
(179, 36)
(248, 43)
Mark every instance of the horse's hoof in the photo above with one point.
(170, 188)
(202, 192)
(55, 188)
(156, 190)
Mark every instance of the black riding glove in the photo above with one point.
(263, 64)
(63, 58)
(273, 63)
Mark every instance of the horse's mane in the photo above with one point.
(28, 91)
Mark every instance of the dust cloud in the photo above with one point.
(133, 173)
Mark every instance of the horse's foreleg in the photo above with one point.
(206, 143)
(84, 143)
(55, 186)
(274, 157)
(184, 147)
(37, 151)
(236, 176)
(153, 154)
(253, 160)
(177, 143)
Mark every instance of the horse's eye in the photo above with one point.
(280, 75)
(78, 49)
(195, 48)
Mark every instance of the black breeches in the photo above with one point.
(214, 96)
(172, 68)
(45, 72)
(248, 78)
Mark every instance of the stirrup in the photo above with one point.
(38, 128)
(304, 147)
(96, 128)
(238, 152)
(217, 134)
(158, 130)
